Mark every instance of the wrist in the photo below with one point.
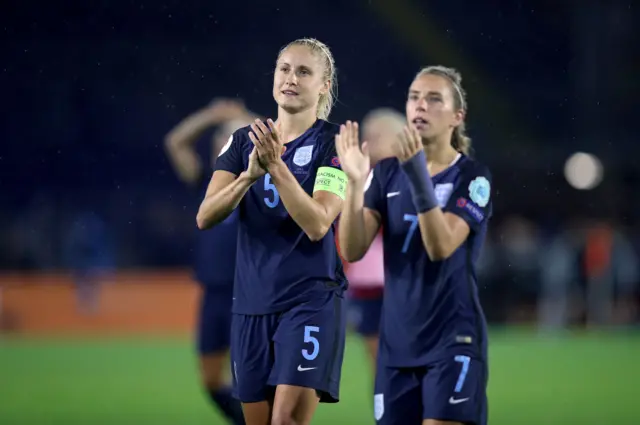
(420, 183)
(356, 185)
(247, 179)
(276, 166)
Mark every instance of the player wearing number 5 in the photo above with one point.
(288, 326)
(433, 203)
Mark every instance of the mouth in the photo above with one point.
(289, 93)
(420, 123)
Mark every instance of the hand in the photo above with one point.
(255, 170)
(354, 160)
(407, 144)
(267, 142)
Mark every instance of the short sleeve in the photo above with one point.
(229, 158)
(329, 175)
(330, 157)
(373, 191)
(471, 199)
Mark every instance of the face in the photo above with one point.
(380, 133)
(299, 79)
(431, 107)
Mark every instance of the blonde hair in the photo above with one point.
(326, 101)
(459, 139)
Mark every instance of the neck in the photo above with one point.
(293, 126)
(439, 151)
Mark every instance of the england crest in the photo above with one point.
(303, 155)
(443, 193)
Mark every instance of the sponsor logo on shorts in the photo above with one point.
(304, 369)
(457, 400)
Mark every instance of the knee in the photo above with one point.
(211, 374)
(283, 419)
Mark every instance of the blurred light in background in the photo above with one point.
(583, 171)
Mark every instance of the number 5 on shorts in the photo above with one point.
(309, 338)
(465, 360)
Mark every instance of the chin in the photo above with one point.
(426, 134)
(292, 107)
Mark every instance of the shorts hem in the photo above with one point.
(326, 396)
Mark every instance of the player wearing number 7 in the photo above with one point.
(433, 203)
(288, 325)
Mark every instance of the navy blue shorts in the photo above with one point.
(365, 314)
(303, 346)
(453, 389)
(214, 319)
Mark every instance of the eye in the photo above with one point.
(434, 99)
(413, 97)
(305, 71)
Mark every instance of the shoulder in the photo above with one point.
(382, 171)
(387, 166)
(328, 129)
(238, 140)
(326, 134)
(241, 135)
(477, 177)
(472, 168)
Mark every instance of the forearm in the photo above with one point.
(352, 237)
(188, 131)
(303, 209)
(217, 206)
(434, 230)
(435, 233)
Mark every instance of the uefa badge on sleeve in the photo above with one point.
(480, 191)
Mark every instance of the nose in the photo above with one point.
(292, 79)
(421, 105)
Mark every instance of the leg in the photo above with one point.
(294, 405)
(397, 398)
(251, 362)
(87, 290)
(454, 391)
(309, 348)
(371, 343)
(258, 413)
(213, 345)
(365, 314)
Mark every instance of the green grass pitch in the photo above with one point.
(586, 379)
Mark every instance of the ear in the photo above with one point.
(326, 87)
(458, 117)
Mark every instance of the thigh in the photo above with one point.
(364, 315)
(397, 396)
(454, 389)
(252, 356)
(214, 321)
(309, 346)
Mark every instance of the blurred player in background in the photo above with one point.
(433, 203)
(89, 255)
(288, 330)
(215, 252)
(366, 276)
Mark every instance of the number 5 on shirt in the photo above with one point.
(270, 187)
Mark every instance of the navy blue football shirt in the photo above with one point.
(278, 266)
(215, 250)
(430, 307)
